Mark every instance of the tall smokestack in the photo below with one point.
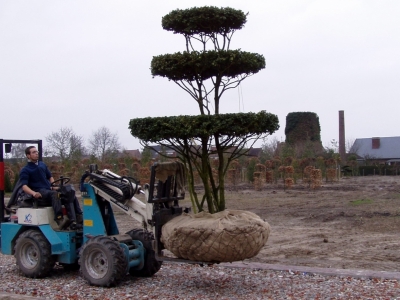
(342, 146)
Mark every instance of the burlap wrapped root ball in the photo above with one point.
(227, 236)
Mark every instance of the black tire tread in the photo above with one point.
(47, 260)
(119, 262)
(151, 265)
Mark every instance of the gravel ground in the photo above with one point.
(186, 281)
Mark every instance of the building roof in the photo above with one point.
(377, 147)
(171, 153)
(255, 152)
(157, 148)
(132, 153)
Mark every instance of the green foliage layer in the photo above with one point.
(187, 127)
(302, 127)
(207, 20)
(195, 65)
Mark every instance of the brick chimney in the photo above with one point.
(376, 143)
(342, 146)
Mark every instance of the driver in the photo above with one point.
(36, 180)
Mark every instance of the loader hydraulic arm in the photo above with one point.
(162, 194)
(120, 191)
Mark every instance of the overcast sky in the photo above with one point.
(86, 64)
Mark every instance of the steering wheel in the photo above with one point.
(62, 180)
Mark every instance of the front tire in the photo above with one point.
(33, 254)
(102, 261)
(151, 264)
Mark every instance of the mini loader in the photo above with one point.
(102, 253)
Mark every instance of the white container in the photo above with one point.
(35, 216)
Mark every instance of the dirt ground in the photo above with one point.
(353, 223)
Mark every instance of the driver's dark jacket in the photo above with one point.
(36, 176)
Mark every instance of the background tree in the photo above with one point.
(8, 180)
(65, 144)
(269, 149)
(18, 150)
(251, 169)
(104, 144)
(146, 156)
(352, 147)
(206, 70)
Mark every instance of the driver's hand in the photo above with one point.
(37, 195)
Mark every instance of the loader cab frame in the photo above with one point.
(5, 147)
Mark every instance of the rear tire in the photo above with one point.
(33, 254)
(102, 261)
(151, 264)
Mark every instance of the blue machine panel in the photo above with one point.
(8, 233)
(63, 243)
(95, 217)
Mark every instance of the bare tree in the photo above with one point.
(65, 144)
(351, 146)
(104, 143)
(270, 147)
(18, 150)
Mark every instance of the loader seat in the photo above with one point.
(20, 199)
(14, 196)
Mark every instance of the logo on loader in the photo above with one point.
(28, 218)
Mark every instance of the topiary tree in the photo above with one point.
(205, 70)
